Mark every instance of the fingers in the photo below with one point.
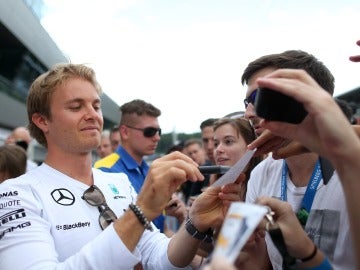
(292, 149)
(296, 239)
(267, 142)
(233, 192)
(281, 209)
(272, 145)
(179, 211)
(294, 83)
(178, 165)
(283, 131)
(165, 175)
(283, 215)
(265, 136)
(174, 205)
(275, 204)
(176, 155)
(355, 58)
(174, 200)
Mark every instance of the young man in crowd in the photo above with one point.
(207, 136)
(115, 139)
(140, 133)
(318, 200)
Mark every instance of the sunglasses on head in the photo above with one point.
(148, 131)
(250, 99)
(95, 197)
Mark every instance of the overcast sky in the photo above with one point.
(186, 57)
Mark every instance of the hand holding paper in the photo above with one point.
(240, 222)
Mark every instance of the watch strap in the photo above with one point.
(193, 231)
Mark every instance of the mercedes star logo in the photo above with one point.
(63, 196)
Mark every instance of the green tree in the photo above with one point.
(167, 140)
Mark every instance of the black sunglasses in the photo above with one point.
(95, 197)
(148, 132)
(250, 99)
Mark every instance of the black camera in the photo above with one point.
(275, 106)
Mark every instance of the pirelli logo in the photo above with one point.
(11, 216)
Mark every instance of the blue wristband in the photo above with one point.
(325, 265)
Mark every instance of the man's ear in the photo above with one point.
(123, 131)
(40, 121)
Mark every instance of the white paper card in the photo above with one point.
(240, 222)
(231, 175)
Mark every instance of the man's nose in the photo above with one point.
(250, 111)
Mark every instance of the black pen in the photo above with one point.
(214, 169)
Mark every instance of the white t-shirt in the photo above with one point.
(45, 224)
(30, 165)
(328, 223)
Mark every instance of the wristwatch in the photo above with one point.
(193, 231)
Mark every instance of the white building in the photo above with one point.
(26, 51)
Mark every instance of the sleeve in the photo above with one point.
(153, 247)
(26, 241)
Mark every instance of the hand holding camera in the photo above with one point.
(275, 106)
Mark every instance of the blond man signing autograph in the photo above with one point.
(67, 215)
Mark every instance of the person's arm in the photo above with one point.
(325, 131)
(164, 176)
(297, 242)
(347, 165)
(25, 232)
(282, 148)
(207, 211)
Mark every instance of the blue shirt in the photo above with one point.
(122, 161)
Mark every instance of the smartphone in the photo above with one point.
(275, 106)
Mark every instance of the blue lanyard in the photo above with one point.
(311, 187)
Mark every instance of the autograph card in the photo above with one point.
(231, 175)
(240, 222)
